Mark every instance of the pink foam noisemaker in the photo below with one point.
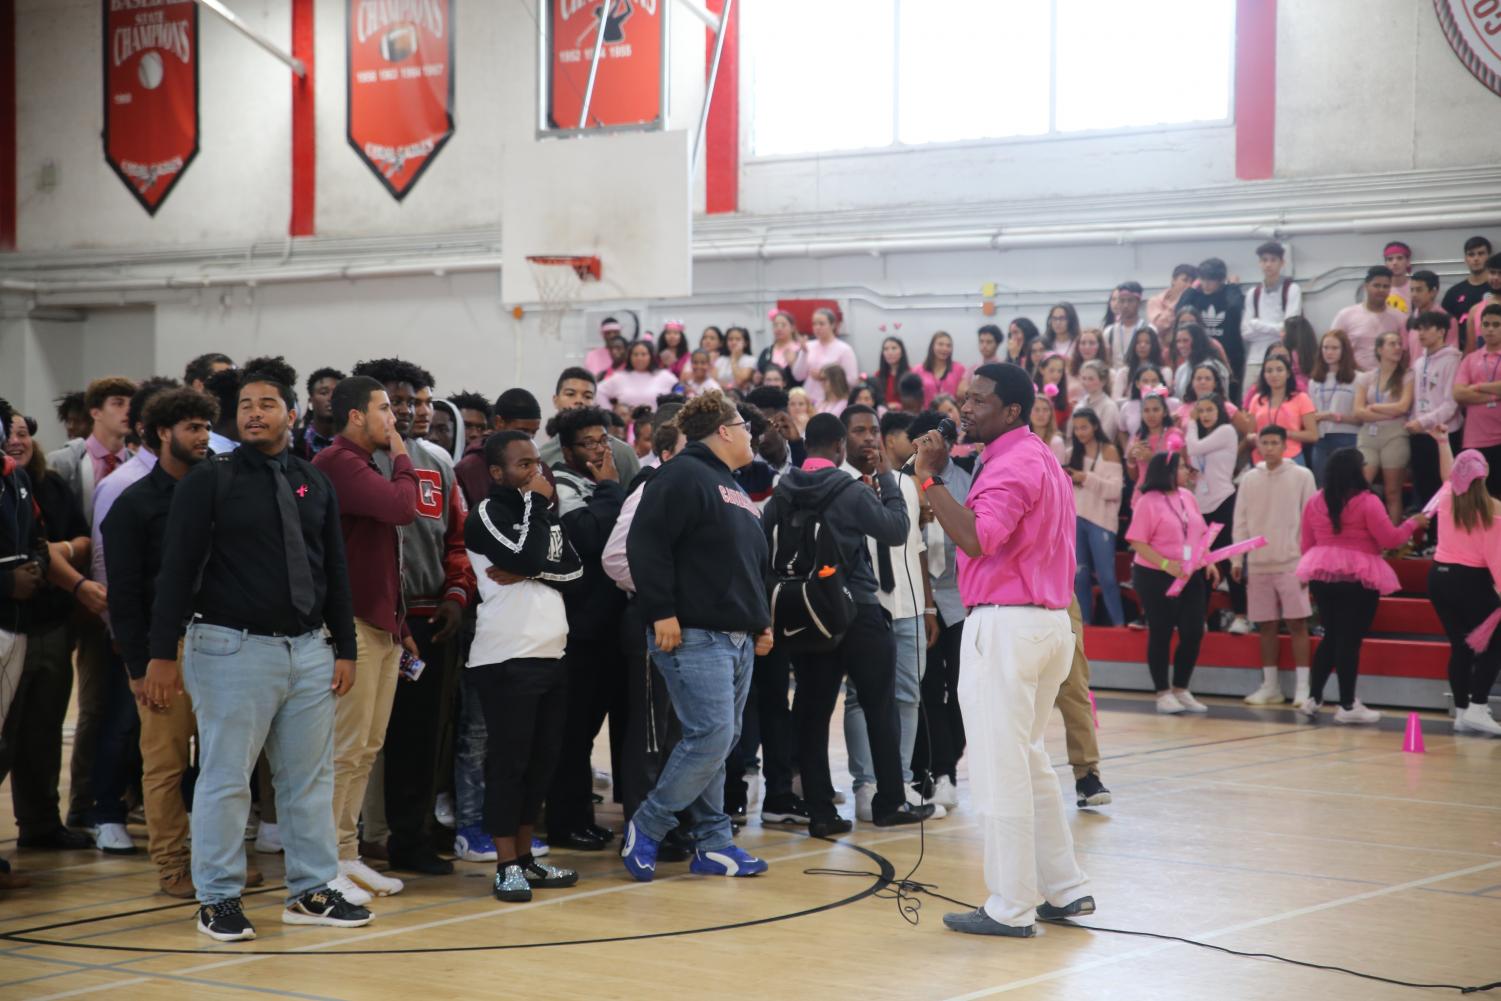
(1412, 740)
(1094, 710)
(1480, 637)
(1203, 558)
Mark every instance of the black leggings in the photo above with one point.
(1225, 516)
(525, 702)
(1346, 611)
(1463, 597)
(940, 726)
(1184, 613)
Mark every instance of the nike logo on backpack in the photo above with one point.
(794, 632)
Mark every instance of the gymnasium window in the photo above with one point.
(837, 75)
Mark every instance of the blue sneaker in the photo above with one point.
(639, 854)
(540, 848)
(727, 861)
(471, 844)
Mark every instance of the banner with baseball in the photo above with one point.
(628, 87)
(400, 86)
(150, 94)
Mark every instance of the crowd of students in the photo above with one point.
(396, 623)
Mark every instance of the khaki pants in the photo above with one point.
(1073, 702)
(360, 719)
(166, 739)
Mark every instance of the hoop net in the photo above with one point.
(560, 280)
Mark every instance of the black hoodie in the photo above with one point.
(696, 548)
(854, 514)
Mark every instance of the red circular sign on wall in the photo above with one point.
(1473, 28)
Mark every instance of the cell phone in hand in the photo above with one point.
(411, 666)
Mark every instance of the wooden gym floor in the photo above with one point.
(1243, 828)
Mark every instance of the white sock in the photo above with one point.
(1269, 676)
(1303, 676)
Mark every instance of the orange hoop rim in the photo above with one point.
(586, 266)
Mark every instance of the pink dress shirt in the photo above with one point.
(1024, 518)
(97, 452)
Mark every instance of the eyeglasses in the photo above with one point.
(592, 442)
(735, 424)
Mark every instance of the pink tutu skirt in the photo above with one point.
(1336, 564)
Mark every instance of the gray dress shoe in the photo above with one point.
(977, 922)
(1078, 909)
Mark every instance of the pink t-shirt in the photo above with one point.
(1024, 518)
(637, 389)
(1480, 548)
(818, 356)
(1288, 416)
(1482, 420)
(1169, 523)
(1363, 327)
(949, 384)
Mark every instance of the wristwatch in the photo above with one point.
(932, 481)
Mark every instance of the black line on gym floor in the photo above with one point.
(887, 875)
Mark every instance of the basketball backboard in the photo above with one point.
(623, 197)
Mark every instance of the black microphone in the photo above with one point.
(950, 434)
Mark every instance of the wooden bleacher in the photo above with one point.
(1403, 663)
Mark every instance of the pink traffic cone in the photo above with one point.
(1412, 741)
(1094, 710)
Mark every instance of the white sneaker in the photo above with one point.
(915, 798)
(350, 892)
(377, 883)
(945, 793)
(1266, 695)
(1188, 702)
(1476, 718)
(268, 840)
(443, 809)
(1168, 704)
(1357, 713)
(1240, 627)
(114, 839)
(1307, 708)
(601, 780)
(864, 797)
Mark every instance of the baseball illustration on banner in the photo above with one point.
(400, 85)
(150, 94)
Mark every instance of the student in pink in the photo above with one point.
(598, 360)
(1425, 286)
(1477, 388)
(1462, 586)
(824, 350)
(1492, 293)
(1277, 401)
(1165, 528)
(941, 375)
(1345, 529)
(641, 382)
(1151, 435)
(699, 379)
(1398, 257)
(1368, 320)
(1162, 308)
(1270, 504)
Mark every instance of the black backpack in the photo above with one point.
(811, 604)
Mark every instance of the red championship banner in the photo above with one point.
(1473, 28)
(628, 87)
(400, 86)
(150, 94)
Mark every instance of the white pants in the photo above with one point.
(1013, 661)
(12, 659)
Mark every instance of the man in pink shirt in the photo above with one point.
(1477, 387)
(1162, 308)
(598, 359)
(1366, 321)
(1016, 567)
(1492, 294)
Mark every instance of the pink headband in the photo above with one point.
(609, 327)
(1396, 248)
(1050, 390)
(1469, 466)
(1156, 391)
(673, 325)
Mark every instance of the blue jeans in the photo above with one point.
(1327, 446)
(469, 757)
(249, 692)
(1094, 551)
(708, 678)
(911, 650)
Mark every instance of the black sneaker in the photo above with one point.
(907, 813)
(423, 860)
(829, 827)
(325, 907)
(225, 921)
(1091, 791)
(784, 809)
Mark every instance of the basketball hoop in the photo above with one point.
(559, 280)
